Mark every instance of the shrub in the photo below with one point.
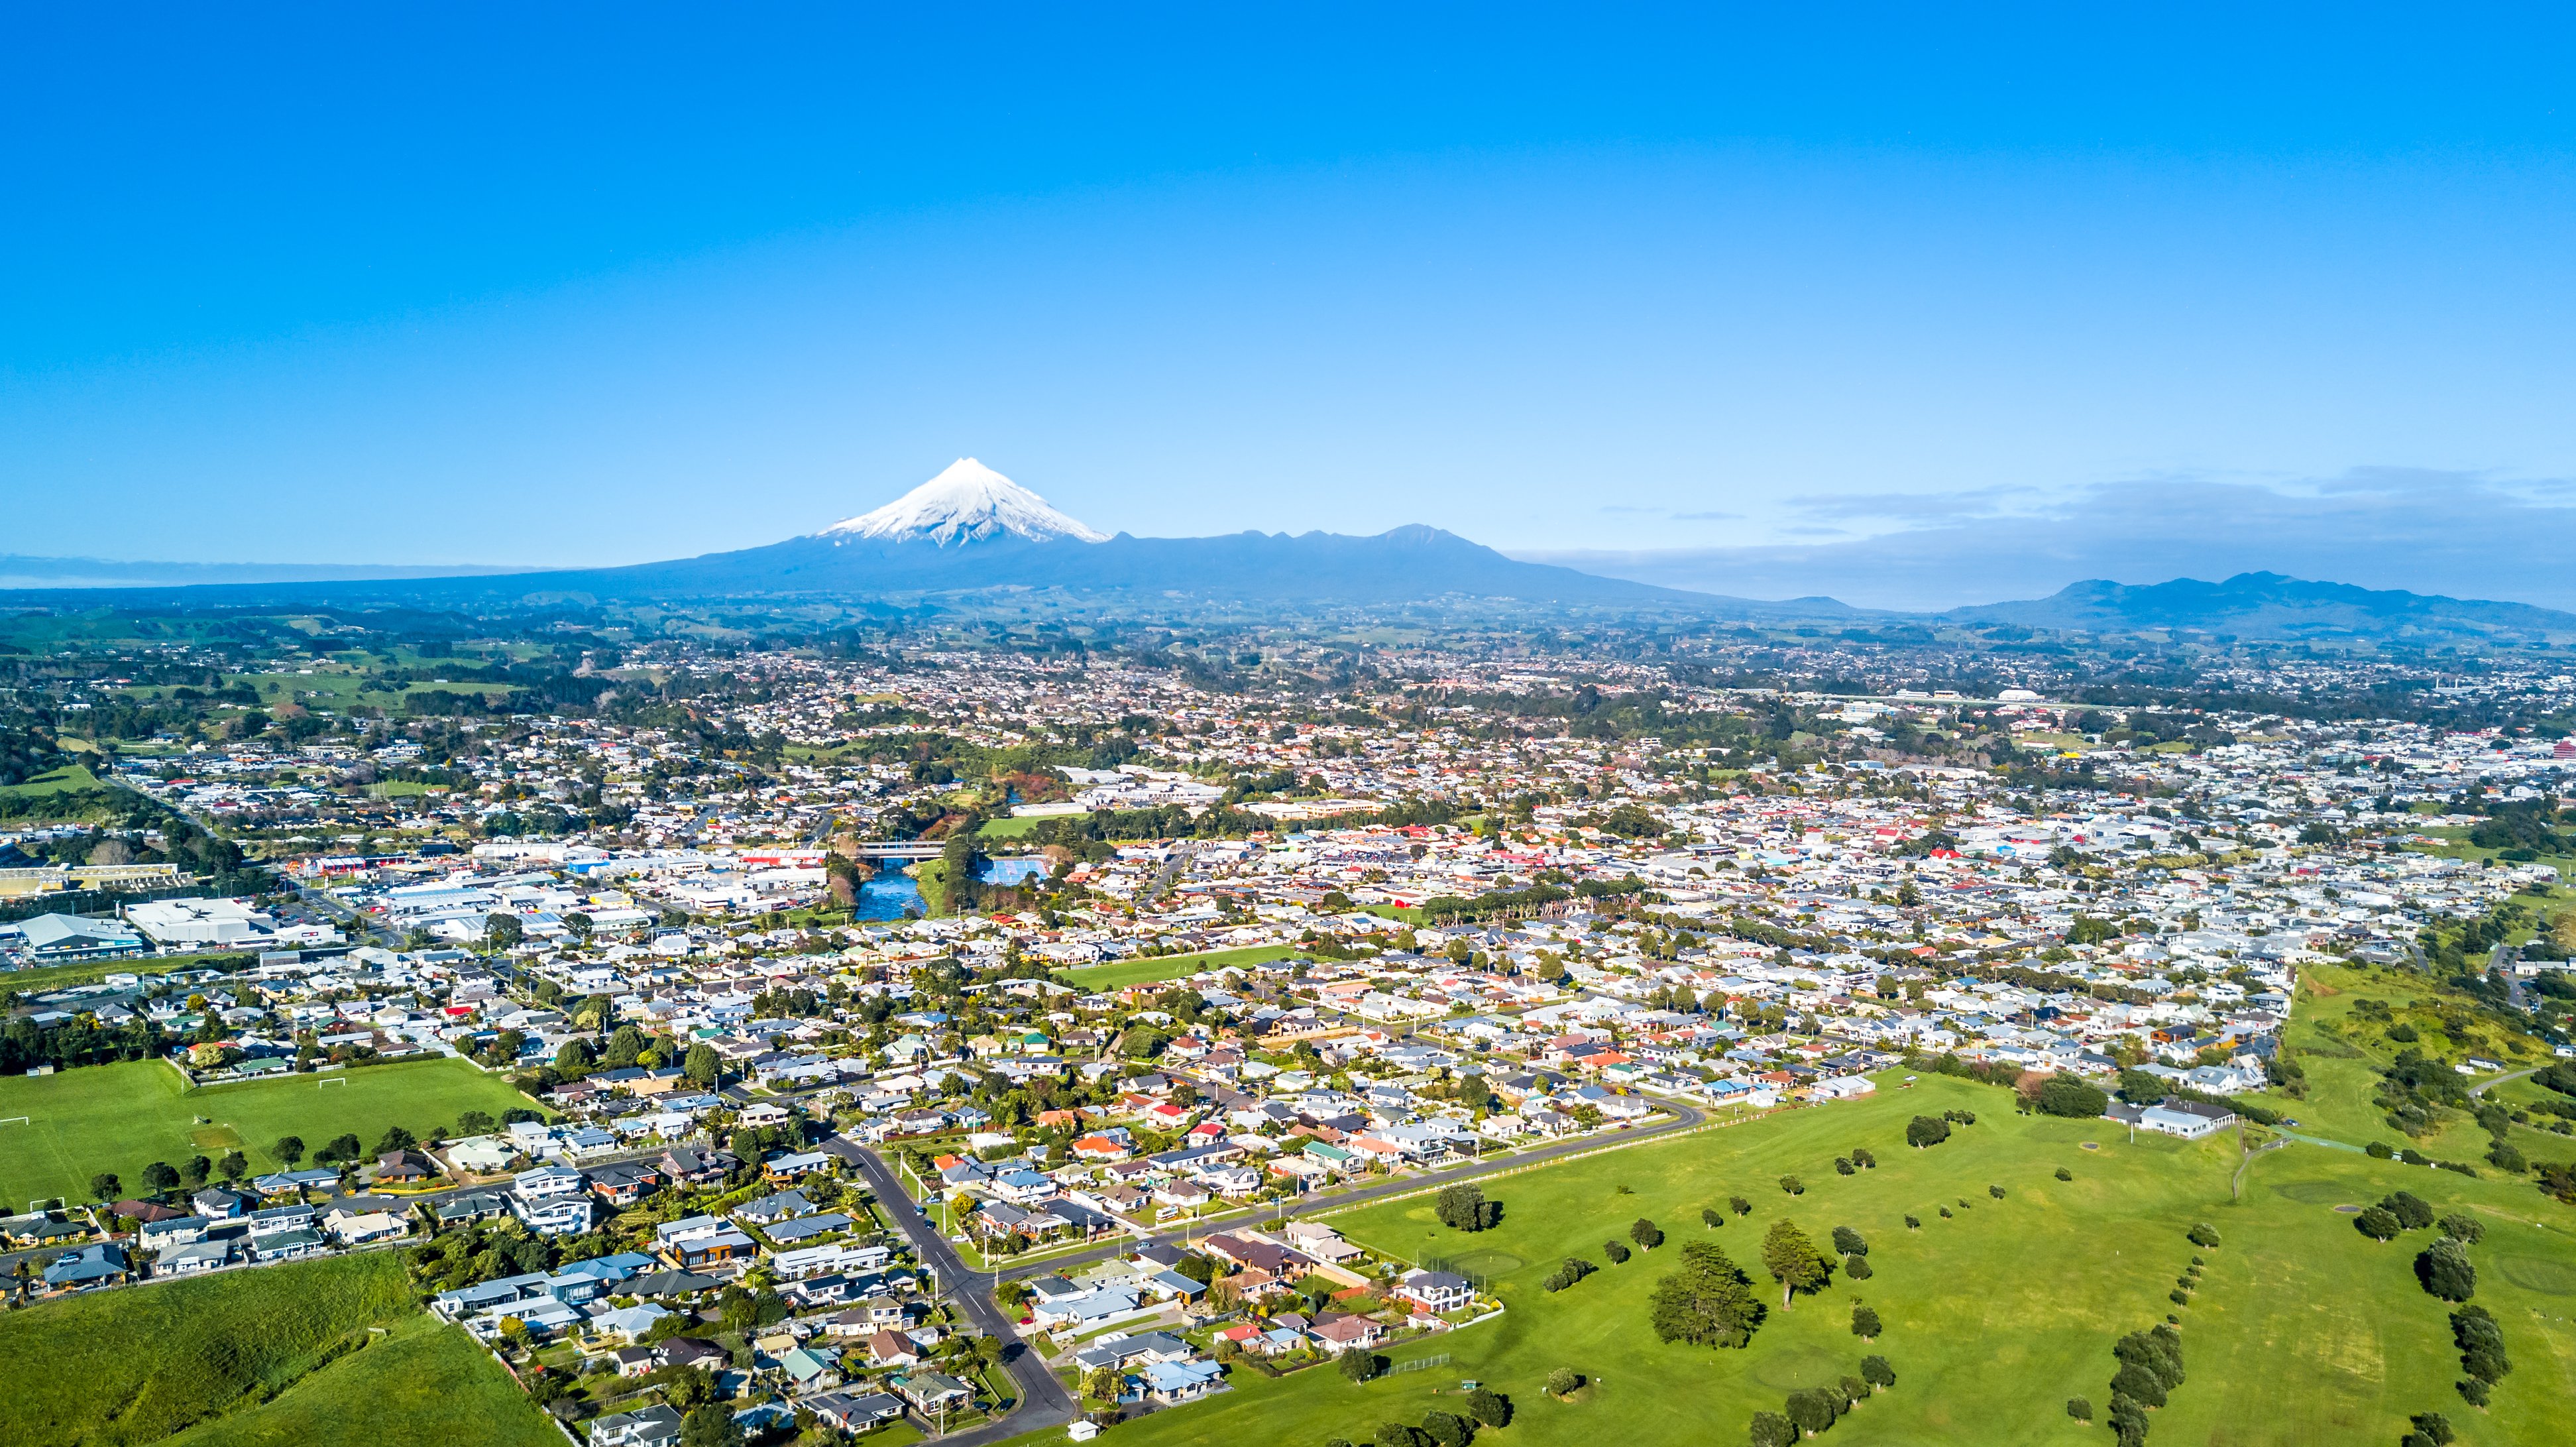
(1793, 1185)
(1357, 1365)
(1995, 1191)
(1490, 1407)
(2202, 1234)
(1770, 1429)
(1865, 1323)
(2081, 1409)
(1858, 1268)
(2474, 1392)
(1926, 1130)
(1913, 1223)
(2064, 1174)
(2378, 1223)
(1448, 1429)
(2465, 1229)
(2431, 1428)
(2072, 1097)
(1850, 1242)
(1875, 1371)
(1843, 1166)
(1563, 1381)
(1617, 1251)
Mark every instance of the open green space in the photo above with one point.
(122, 1118)
(57, 781)
(1011, 828)
(142, 1363)
(2304, 1331)
(1172, 967)
(422, 1383)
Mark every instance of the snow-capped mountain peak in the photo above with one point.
(966, 503)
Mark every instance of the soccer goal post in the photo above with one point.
(334, 1080)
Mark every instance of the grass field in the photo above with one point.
(423, 1383)
(58, 781)
(123, 1117)
(2304, 1332)
(1172, 967)
(1011, 828)
(138, 1364)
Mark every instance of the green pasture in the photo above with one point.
(422, 1383)
(121, 1118)
(2304, 1331)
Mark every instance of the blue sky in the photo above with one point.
(1911, 307)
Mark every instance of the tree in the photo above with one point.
(702, 1064)
(1448, 1429)
(711, 1425)
(2081, 1409)
(1739, 1205)
(2465, 1229)
(1562, 1381)
(1463, 1207)
(1711, 1217)
(474, 1122)
(1617, 1251)
(1875, 1371)
(2202, 1234)
(1705, 1301)
(1357, 1365)
(1857, 1268)
(2431, 1429)
(1864, 1323)
(1794, 1262)
(1850, 1242)
(233, 1166)
(2377, 1222)
(105, 1186)
(2138, 1384)
(160, 1177)
(196, 1171)
(2128, 1421)
(2444, 1269)
(2409, 1209)
(1793, 1186)
(573, 1055)
(1811, 1411)
(1489, 1407)
(290, 1149)
(1646, 1234)
(1102, 1384)
(1926, 1130)
(396, 1139)
(501, 930)
(2071, 1096)
(1770, 1429)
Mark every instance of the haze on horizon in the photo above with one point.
(1914, 311)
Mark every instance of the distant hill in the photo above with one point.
(2268, 605)
(972, 531)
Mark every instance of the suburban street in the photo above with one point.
(1043, 1400)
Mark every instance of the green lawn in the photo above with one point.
(123, 1117)
(1172, 967)
(137, 1364)
(421, 1384)
(1011, 828)
(58, 781)
(2305, 1331)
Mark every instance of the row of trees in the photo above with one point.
(1817, 1409)
(1482, 1408)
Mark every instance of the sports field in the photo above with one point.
(2304, 1332)
(1172, 967)
(123, 1117)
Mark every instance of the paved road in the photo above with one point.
(2481, 1087)
(1043, 1400)
(1683, 1117)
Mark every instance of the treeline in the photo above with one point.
(1505, 901)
